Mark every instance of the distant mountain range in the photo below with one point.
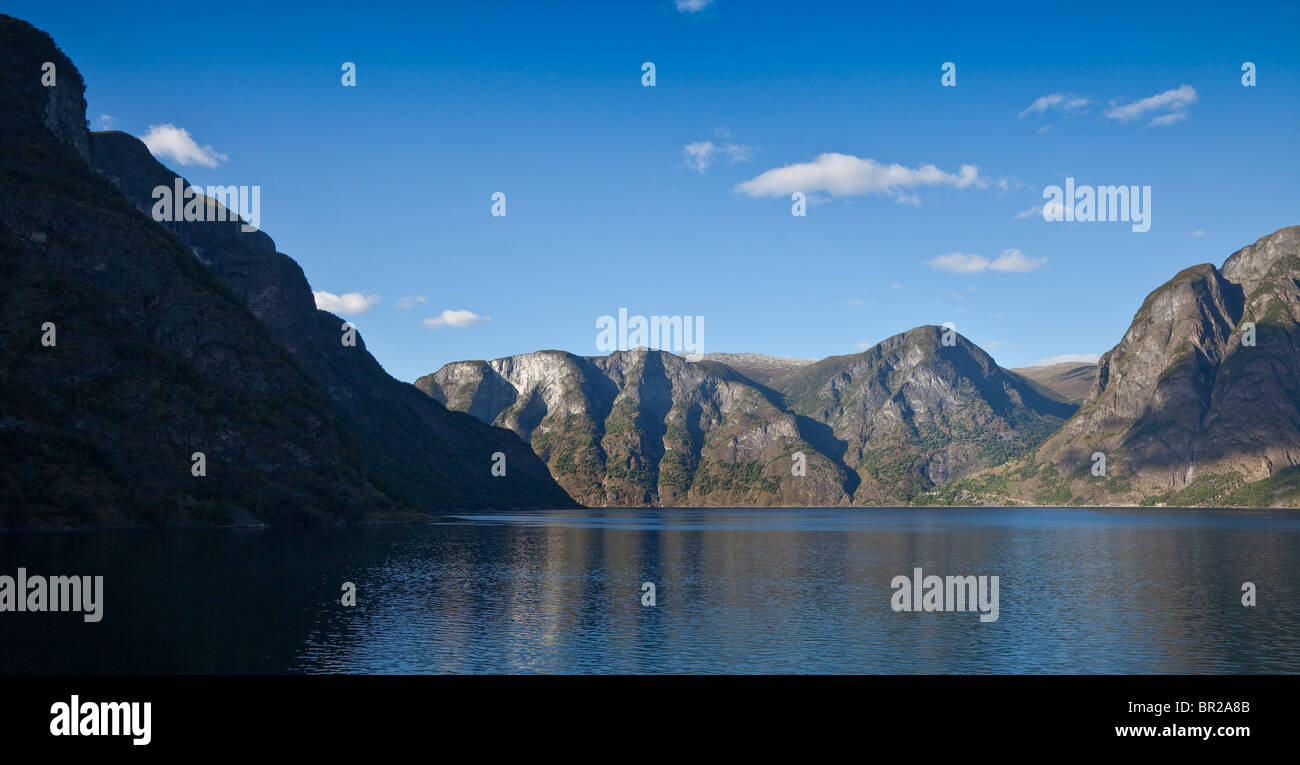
(1199, 404)
(646, 427)
(178, 338)
(1070, 380)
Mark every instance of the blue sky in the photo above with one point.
(384, 189)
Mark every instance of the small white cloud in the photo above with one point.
(1014, 261)
(1010, 261)
(1073, 358)
(170, 142)
(107, 121)
(410, 301)
(455, 318)
(1198, 232)
(1031, 212)
(846, 175)
(701, 154)
(1167, 119)
(959, 263)
(1176, 100)
(692, 6)
(347, 304)
(896, 286)
(1061, 102)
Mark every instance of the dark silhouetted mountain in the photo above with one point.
(190, 337)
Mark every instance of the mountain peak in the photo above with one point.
(33, 93)
(1252, 264)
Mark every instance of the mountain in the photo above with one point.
(1069, 381)
(1198, 404)
(191, 337)
(647, 427)
(771, 371)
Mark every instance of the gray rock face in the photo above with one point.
(913, 412)
(1182, 400)
(651, 428)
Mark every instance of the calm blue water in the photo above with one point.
(738, 591)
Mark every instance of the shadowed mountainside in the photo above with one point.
(189, 337)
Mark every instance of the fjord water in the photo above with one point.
(738, 591)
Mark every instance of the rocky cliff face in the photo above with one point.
(190, 337)
(1199, 403)
(913, 412)
(645, 428)
(45, 82)
(650, 428)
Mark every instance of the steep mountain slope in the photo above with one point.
(647, 427)
(1069, 381)
(914, 413)
(158, 355)
(1186, 409)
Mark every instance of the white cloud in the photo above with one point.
(1198, 232)
(455, 318)
(347, 304)
(1014, 261)
(107, 121)
(169, 141)
(700, 155)
(1061, 102)
(1031, 212)
(847, 175)
(1176, 101)
(1165, 120)
(1010, 261)
(959, 263)
(410, 301)
(692, 6)
(1073, 358)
